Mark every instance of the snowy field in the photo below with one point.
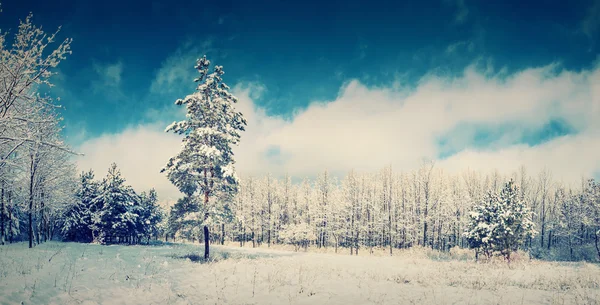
(70, 273)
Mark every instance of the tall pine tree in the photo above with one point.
(204, 168)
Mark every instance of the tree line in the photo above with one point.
(397, 210)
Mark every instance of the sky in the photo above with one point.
(334, 85)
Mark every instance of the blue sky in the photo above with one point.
(132, 59)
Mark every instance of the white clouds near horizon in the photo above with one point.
(366, 128)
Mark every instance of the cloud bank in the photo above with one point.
(366, 128)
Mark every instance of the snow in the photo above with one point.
(70, 273)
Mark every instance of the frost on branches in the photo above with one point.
(204, 168)
(24, 67)
(299, 235)
(501, 223)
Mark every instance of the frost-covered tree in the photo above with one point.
(591, 204)
(115, 215)
(501, 223)
(30, 142)
(151, 214)
(41, 164)
(77, 218)
(24, 66)
(514, 221)
(482, 222)
(179, 223)
(56, 185)
(299, 235)
(204, 168)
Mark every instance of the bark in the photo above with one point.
(206, 232)
(222, 234)
(206, 243)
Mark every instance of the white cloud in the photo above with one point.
(368, 128)
(570, 158)
(140, 152)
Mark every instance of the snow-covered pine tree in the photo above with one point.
(150, 214)
(77, 218)
(500, 223)
(514, 221)
(204, 168)
(482, 222)
(114, 201)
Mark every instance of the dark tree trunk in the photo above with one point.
(206, 243)
(356, 243)
(10, 230)
(41, 230)
(543, 229)
(222, 234)
(30, 212)
(206, 231)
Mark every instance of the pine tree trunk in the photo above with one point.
(222, 234)
(206, 232)
(206, 243)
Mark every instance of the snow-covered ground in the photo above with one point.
(70, 273)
